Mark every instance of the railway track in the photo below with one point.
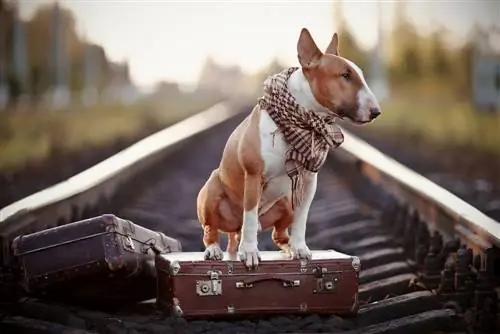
(445, 169)
(430, 262)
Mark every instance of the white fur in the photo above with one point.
(272, 149)
(214, 252)
(301, 91)
(298, 246)
(248, 249)
(279, 184)
(366, 98)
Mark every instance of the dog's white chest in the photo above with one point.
(273, 148)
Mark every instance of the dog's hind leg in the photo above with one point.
(233, 239)
(280, 216)
(280, 231)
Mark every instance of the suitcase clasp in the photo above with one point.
(212, 287)
(174, 267)
(324, 283)
(128, 233)
(356, 263)
(129, 243)
(303, 266)
(176, 309)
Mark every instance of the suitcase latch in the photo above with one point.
(323, 282)
(356, 263)
(325, 285)
(211, 287)
(129, 233)
(303, 266)
(174, 267)
(129, 243)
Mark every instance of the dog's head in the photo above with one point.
(336, 83)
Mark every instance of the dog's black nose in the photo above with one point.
(374, 112)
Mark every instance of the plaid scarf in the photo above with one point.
(309, 135)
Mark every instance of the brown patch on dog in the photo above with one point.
(281, 217)
(334, 83)
(235, 186)
(233, 239)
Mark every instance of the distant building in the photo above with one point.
(486, 70)
(120, 87)
(226, 80)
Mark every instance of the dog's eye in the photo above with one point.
(347, 75)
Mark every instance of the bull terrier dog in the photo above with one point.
(267, 176)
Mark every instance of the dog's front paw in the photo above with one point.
(213, 252)
(300, 251)
(249, 255)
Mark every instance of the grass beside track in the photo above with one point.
(34, 135)
(435, 116)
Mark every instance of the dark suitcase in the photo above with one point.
(190, 286)
(105, 257)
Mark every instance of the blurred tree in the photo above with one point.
(39, 31)
(101, 63)
(348, 46)
(6, 46)
(405, 44)
(14, 87)
(462, 57)
(104, 67)
(6, 22)
(438, 62)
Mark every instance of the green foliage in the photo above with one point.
(440, 118)
(349, 48)
(422, 58)
(39, 31)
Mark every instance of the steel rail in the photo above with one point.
(442, 210)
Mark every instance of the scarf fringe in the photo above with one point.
(296, 172)
(297, 190)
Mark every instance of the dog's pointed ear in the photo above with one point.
(308, 52)
(333, 47)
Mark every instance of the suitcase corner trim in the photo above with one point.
(356, 263)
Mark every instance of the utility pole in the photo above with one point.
(60, 93)
(4, 87)
(20, 57)
(90, 76)
(378, 70)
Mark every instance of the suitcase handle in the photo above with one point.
(250, 283)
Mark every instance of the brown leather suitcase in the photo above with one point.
(105, 257)
(190, 286)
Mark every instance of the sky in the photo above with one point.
(169, 40)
